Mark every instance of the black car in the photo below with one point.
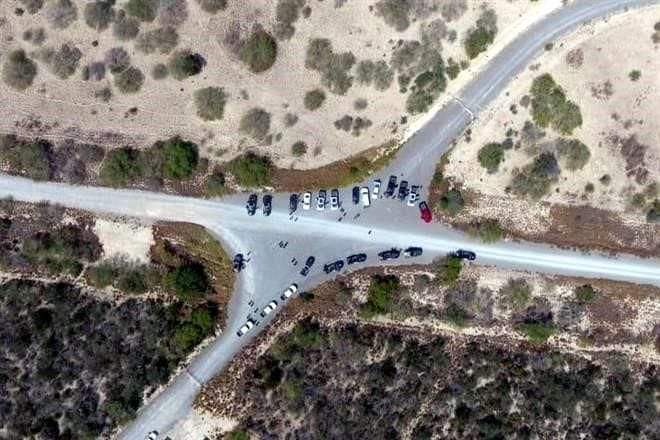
(251, 204)
(465, 255)
(391, 187)
(334, 266)
(356, 195)
(403, 190)
(308, 265)
(356, 258)
(293, 203)
(238, 263)
(413, 252)
(268, 204)
(392, 254)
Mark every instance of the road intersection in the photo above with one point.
(385, 224)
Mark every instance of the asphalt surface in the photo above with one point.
(331, 235)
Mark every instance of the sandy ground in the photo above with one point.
(611, 50)
(68, 108)
(131, 241)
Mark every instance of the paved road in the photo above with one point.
(385, 224)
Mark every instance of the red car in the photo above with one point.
(425, 212)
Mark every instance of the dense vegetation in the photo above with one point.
(385, 383)
(482, 35)
(251, 170)
(551, 108)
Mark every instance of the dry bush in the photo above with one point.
(125, 28)
(18, 71)
(290, 120)
(396, 13)
(334, 67)
(32, 6)
(453, 9)
(259, 51)
(255, 123)
(35, 36)
(287, 13)
(172, 12)
(212, 6)
(299, 149)
(575, 58)
(314, 99)
(210, 103)
(163, 40)
(117, 59)
(184, 63)
(61, 13)
(99, 14)
(130, 80)
(143, 10)
(63, 62)
(159, 71)
(94, 71)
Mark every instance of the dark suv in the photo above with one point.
(238, 263)
(268, 204)
(293, 203)
(392, 254)
(403, 190)
(391, 187)
(356, 195)
(308, 265)
(334, 266)
(413, 252)
(251, 204)
(356, 258)
(465, 255)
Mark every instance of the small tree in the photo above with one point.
(121, 167)
(448, 270)
(452, 202)
(181, 158)
(210, 103)
(259, 51)
(255, 123)
(188, 282)
(130, 80)
(314, 99)
(299, 149)
(184, 63)
(18, 71)
(251, 170)
(490, 156)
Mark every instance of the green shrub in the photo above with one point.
(163, 40)
(31, 159)
(515, 294)
(314, 99)
(380, 296)
(186, 336)
(143, 10)
(212, 6)
(18, 71)
(535, 179)
(184, 63)
(536, 332)
(180, 158)
(255, 123)
(299, 148)
(448, 270)
(188, 282)
(101, 275)
(334, 67)
(259, 51)
(238, 435)
(251, 170)
(125, 28)
(551, 108)
(490, 156)
(132, 280)
(130, 80)
(61, 13)
(455, 315)
(483, 35)
(427, 87)
(210, 103)
(121, 167)
(490, 231)
(585, 293)
(99, 14)
(452, 202)
(573, 153)
(635, 75)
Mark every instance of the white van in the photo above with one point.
(366, 200)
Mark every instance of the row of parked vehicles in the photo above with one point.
(252, 204)
(390, 254)
(270, 307)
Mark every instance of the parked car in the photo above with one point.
(320, 200)
(238, 263)
(269, 308)
(413, 195)
(392, 254)
(356, 258)
(153, 435)
(413, 252)
(356, 195)
(293, 203)
(334, 200)
(403, 190)
(245, 328)
(251, 204)
(364, 194)
(375, 189)
(290, 291)
(334, 266)
(425, 212)
(391, 187)
(307, 200)
(268, 204)
(308, 265)
(465, 255)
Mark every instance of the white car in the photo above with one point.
(307, 200)
(269, 308)
(290, 291)
(375, 189)
(153, 435)
(246, 328)
(334, 200)
(364, 195)
(413, 196)
(320, 200)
